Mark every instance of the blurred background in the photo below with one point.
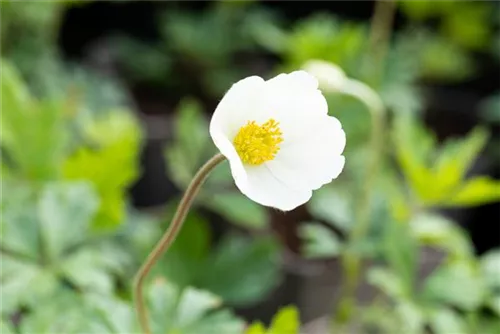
(104, 120)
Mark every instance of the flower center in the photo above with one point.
(257, 144)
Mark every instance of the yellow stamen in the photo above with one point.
(257, 144)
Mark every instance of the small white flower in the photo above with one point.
(330, 76)
(279, 140)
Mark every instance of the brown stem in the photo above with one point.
(169, 237)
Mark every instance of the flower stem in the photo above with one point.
(351, 260)
(168, 238)
(380, 35)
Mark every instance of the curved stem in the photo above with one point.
(169, 237)
(351, 261)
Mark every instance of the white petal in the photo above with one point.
(295, 102)
(300, 80)
(239, 105)
(226, 148)
(314, 161)
(265, 188)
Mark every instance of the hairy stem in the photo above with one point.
(351, 260)
(168, 238)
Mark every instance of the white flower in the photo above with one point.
(330, 76)
(279, 140)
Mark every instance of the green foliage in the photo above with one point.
(37, 140)
(239, 270)
(286, 321)
(327, 38)
(32, 132)
(46, 243)
(467, 24)
(437, 178)
(319, 241)
(186, 311)
(110, 163)
(190, 148)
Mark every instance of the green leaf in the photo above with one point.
(86, 270)
(490, 265)
(445, 321)
(494, 304)
(286, 321)
(111, 167)
(189, 311)
(256, 328)
(325, 37)
(238, 209)
(456, 157)
(70, 313)
(400, 249)
(443, 60)
(436, 230)
(332, 204)
(65, 212)
(33, 132)
(5, 327)
(413, 146)
(189, 149)
(420, 10)
(241, 271)
(189, 252)
(388, 282)
(476, 191)
(24, 283)
(320, 242)
(477, 33)
(457, 283)
(19, 228)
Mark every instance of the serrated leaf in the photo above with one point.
(319, 241)
(65, 212)
(436, 230)
(476, 191)
(19, 228)
(188, 311)
(413, 147)
(111, 167)
(400, 250)
(388, 282)
(23, 284)
(189, 148)
(69, 313)
(85, 269)
(33, 132)
(457, 283)
(456, 157)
